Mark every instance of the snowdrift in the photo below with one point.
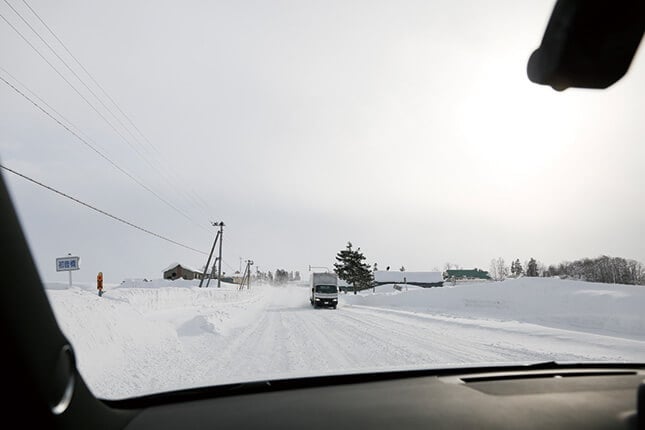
(616, 310)
(137, 328)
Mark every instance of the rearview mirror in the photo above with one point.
(588, 43)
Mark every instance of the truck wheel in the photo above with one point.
(334, 306)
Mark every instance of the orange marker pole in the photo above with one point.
(99, 283)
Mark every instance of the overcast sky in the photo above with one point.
(407, 127)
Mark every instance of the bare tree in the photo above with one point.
(612, 270)
(498, 269)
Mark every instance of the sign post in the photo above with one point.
(68, 264)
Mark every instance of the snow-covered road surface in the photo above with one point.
(148, 340)
(294, 339)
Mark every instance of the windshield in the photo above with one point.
(181, 171)
(326, 289)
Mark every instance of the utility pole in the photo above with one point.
(70, 273)
(249, 263)
(208, 262)
(246, 278)
(219, 266)
(212, 269)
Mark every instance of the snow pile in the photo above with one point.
(615, 310)
(137, 329)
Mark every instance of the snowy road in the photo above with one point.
(143, 338)
(290, 338)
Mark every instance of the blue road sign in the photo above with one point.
(64, 264)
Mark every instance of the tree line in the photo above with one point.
(350, 266)
(611, 270)
(604, 269)
(279, 277)
(500, 271)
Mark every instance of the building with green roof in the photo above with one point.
(458, 274)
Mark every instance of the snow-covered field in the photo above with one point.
(147, 337)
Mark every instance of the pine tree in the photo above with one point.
(351, 268)
(281, 276)
(516, 268)
(531, 269)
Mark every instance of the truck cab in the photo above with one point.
(324, 290)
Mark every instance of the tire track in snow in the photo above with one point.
(290, 340)
(514, 341)
(446, 342)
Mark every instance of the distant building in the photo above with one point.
(466, 274)
(420, 279)
(179, 271)
(236, 278)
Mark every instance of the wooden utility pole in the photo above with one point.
(218, 236)
(212, 270)
(246, 278)
(201, 281)
(219, 266)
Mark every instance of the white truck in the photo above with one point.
(324, 289)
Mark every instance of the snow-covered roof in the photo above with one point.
(173, 265)
(396, 276)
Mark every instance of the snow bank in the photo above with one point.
(150, 319)
(616, 310)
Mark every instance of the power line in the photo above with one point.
(105, 157)
(62, 117)
(44, 102)
(196, 199)
(85, 99)
(68, 127)
(22, 36)
(69, 68)
(100, 211)
(89, 74)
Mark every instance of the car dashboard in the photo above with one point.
(548, 395)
